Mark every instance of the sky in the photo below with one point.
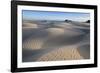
(58, 16)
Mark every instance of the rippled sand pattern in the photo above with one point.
(61, 54)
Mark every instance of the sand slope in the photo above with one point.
(30, 25)
(63, 53)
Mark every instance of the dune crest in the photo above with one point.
(55, 31)
(30, 25)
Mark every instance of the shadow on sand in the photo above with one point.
(84, 51)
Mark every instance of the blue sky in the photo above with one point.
(59, 16)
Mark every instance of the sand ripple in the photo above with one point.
(63, 53)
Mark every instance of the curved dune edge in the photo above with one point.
(84, 51)
(61, 54)
(64, 25)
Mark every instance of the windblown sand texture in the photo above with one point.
(55, 41)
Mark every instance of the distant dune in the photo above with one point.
(53, 42)
(63, 25)
(55, 31)
(30, 25)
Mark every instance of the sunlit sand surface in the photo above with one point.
(30, 25)
(63, 53)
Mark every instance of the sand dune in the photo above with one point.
(30, 25)
(64, 41)
(33, 44)
(55, 31)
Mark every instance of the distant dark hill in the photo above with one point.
(68, 20)
(88, 21)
